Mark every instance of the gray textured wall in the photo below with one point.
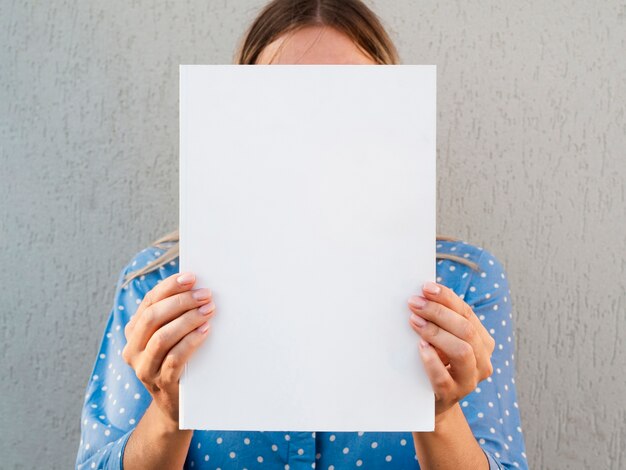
(531, 139)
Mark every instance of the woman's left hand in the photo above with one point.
(461, 356)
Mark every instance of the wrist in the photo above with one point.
(447, 418)
(166, 425)
(445, 423)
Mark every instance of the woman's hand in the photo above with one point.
(461, 356)
(169, 325)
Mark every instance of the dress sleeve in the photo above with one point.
(491, 409)
(115, 399)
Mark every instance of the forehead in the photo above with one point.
(313, 45)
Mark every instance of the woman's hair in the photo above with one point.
(351, 17)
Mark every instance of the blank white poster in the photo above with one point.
(307, 205)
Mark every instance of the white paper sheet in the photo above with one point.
(307, 205)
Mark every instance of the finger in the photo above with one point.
(445, 318)
(461, 354)
(447, 297)
(439, 376)
(174, 284)
(166, 310)
(175, 360)
(166, 337)
(450, 321)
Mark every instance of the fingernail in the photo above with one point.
(431, 287)
(206, 308)
(419, 321)
(204, 328)
(424, 344)
(417, 301)
(186, 278)
(201, 294)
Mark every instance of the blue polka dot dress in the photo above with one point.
(115, 399)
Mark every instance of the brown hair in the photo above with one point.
(353, 18)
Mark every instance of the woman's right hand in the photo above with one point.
(169, 325)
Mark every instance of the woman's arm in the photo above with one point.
(130, 414)
(488, 417)
(451, 445)
(156, 442)
(115, 399)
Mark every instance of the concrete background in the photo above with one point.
(532, 166)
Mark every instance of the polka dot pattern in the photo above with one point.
(115, 400)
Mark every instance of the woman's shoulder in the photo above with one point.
(464, 266)
(148, 267)
(460, 248)
(472, 253)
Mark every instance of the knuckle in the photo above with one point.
(142, 375)
(438, 312)
(160, 339)
(171, 363)
(443, 382)
(149, 315)
(467, 311)
(158, 383)
(469, 332)
(125, 355)
(432, 329)
(465, 351)
(149, 298)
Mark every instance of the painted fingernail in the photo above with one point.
(419, 321)
(206, 308)
(424, 344)
(186, 278)
(431, 287)
(201, 294)
(417, 301)
(204, 328)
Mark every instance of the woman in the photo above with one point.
(130, 413)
